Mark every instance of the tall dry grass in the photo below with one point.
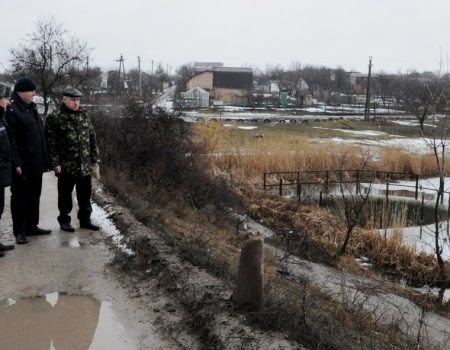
(245, 157)
(394, 159)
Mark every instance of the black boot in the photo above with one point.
(21, 239)
(5, 247)
(36, 231)
(90, 226)
(67, 227)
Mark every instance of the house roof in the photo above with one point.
(232, 78)
(196, 88)
(233, 69)
(205, 66)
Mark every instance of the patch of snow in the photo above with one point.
(414, 146)
(356, 132)
(101, 218)
(411, 123)
(247, 127)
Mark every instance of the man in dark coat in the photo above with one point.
(5, 156)
(73, 151)
(29, 157)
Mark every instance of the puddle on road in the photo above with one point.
(60, 322)
(72, 243)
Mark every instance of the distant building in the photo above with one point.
(196, 97)
(230, 85)
(203, 80)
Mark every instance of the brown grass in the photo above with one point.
(316, 233)
(245, 158)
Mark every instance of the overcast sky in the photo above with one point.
(400, 35)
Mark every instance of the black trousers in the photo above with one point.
(25, 197)
(83, 186)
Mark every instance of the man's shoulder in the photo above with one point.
(84, 112)
(11, 109)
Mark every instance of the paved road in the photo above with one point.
(74, 264)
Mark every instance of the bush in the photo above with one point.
(156, 150)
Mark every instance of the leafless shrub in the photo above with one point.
(157, 151)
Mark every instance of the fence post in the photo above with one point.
(417, 187)
(448, 215)
(320, 199)
(422, 214)
(387, 191)
(357, 181)
(299, 192)
(281, 187)
(264, 181)
(326, 184)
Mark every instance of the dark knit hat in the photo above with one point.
(24, 84)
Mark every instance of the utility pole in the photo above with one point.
(140, 76)
(367, 107)
(121, 68)
(151, 82)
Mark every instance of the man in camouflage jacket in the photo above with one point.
(73, 151)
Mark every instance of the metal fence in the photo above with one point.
(325, 179)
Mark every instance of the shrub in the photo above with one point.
(157, 151)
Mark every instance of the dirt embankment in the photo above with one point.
(194, 307)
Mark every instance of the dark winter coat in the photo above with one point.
(5, 153)
(71, 141)
(26, 137)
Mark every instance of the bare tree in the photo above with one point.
(422, 96)
(354, 202)
(435, 98)
(438, 143)
(384, 86)
(184, 73)
(48, 55)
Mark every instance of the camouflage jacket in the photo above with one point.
(71, 141)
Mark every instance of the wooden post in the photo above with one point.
(357, 181)
(320, 199)
(326, 184)
(299, 192)
(448, 215)
(281, 187)
(417, 187)
(264, 180)
(422, 214)
(387, 191)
